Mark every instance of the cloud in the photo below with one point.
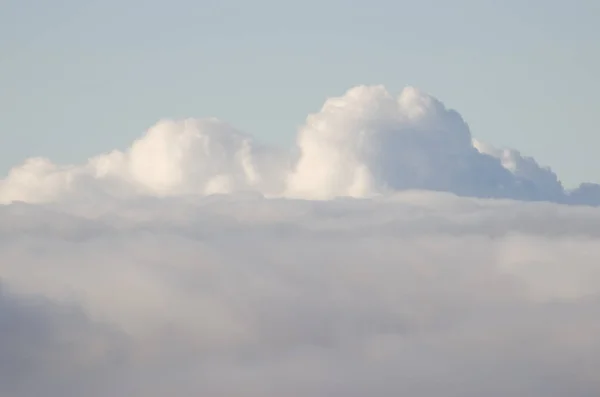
(543, 182)
(383, 255)
(369, 142)
(364, 143)
(52, 349)
(173, 158)
(414, 293)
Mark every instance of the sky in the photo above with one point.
(82, 78)
(307, 200)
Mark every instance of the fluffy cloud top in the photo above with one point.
(362, 144)
(369, 142)
(420, 294)
(173, 158)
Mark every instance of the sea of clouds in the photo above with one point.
(388, 253)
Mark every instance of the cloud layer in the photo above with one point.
(362, 144)
(422, 294)
(384, 255)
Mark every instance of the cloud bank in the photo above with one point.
(384, 255)
(362, 144)
(419, 294)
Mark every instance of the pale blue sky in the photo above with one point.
(80, 77)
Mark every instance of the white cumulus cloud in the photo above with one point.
(364, 143)
(173, 158)
(368, 142)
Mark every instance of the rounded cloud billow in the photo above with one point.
(369, 142)
(364, 143)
